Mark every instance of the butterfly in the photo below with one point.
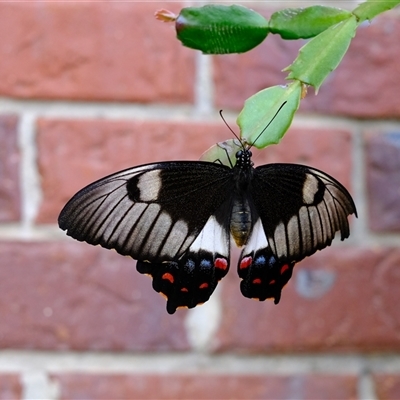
(177, 218)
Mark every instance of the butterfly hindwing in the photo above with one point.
(192, 278)
(152, 212)
(263, 276)
(301, 209)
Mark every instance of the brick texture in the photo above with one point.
(327, 149)
(387, 386)
(373, 94)
(9, 169)
(10, 387)
(383, 180)
(341, 298)
(69, 295)
(239, 76)
(92, 51)
(61, 300)
(202, 386)
(72, 154)
(75, 153)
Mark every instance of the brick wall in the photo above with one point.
(90, 88)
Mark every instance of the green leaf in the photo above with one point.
(218, 29)
(221, 151)
(371, 8)
(259, 110)
(297, 23)
(321, 55)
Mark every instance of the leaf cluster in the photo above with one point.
(220, 29)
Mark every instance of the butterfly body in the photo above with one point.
(177, 219)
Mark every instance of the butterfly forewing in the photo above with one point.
(152, 212)
(301, 209)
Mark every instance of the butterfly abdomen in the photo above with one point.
(241, 216)
(241, 221)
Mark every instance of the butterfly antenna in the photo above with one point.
(223, 119)
(269, 123)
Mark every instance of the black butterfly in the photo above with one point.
(176, 219)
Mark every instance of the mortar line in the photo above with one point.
(162, 112)
(29, 174)
(366, 386)
(37, 385)
(21, 361)
(204, 86)
(358, 186)
(202, 323)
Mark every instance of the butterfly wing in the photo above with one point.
(192, 278)
(152, 212)
(173, 217)
(300, 208)
(263, 275)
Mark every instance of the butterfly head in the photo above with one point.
(243, 158)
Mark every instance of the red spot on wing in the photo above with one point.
(221, 263)
(256, 281)
(168, 277)
(204, 285)
(185, 290)
(246, 262)
(272, 282)
(284, 268)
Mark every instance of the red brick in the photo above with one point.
(9, 169)
(93, 51)
(202, 386)
(239, 76)
(339, 299)
(327, 149)
(72, 154)
(75, 153)
(69, 295)
(364, 85)
(383, 181)
(10, 387)
(387, 386)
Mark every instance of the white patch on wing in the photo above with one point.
(175, 239)
(293, 231)
(157, 234)
(212, 238)
(149, 185)
(306, 229)
(310, 189)
(136, 237)
(315, 225)
(280, 240)
(257, 239)
(122, 231)
(116, 225)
